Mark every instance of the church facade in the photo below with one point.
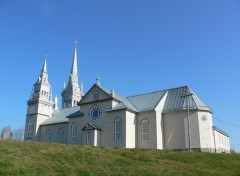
(172, 119)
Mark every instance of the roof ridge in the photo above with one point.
(156, 91)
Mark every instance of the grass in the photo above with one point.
(34, 158)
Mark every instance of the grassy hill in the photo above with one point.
(32, 158)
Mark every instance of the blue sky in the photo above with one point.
(134, 46)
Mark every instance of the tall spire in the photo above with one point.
(72, 93)
(42, 88)
(74, 64)
(44, 69)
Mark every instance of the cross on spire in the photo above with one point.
(98, 81)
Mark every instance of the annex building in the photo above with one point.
(172, 119)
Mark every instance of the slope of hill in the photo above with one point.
(33, 158)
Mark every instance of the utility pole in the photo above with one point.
(186, 97)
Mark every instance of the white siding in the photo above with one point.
(206, 132)
(222, 142)
(130, 130)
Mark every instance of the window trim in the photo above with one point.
(74, 133)
(145, 130)
(30, 125)
(118, 129)
(89, 138)
(60, 135)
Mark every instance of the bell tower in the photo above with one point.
(39, 106)
(72, 93)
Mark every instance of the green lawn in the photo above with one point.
(33, 158)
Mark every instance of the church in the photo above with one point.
(172, 119)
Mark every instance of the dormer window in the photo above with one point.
(96, 95)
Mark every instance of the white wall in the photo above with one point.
(130, 130)
(222, 142)
(176, 130)
(159, 123)
(205, 131)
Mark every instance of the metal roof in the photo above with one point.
(60, 116)
(146, 102)
(124, 102)
(175, 101)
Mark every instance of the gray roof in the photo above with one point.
(124, 102)
(175, 100)
(146, 102)
(60, 116)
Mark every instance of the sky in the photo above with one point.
(134, 46)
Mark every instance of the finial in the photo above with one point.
(75, 44)
(98, 81)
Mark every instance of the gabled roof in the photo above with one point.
(75, 114)
(124, 102)
(89, 126)
(146, 102)
(60, 116)
(175, 101)
(99, 87)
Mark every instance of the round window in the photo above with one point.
(204, 118)
(95, 113)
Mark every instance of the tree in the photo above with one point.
(18, 134)
(6, 133)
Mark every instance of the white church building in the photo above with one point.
(172, 119)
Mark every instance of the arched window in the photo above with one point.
(60, 135)
(49, 135)
(30, 126)
(74, 133)
(118, 129)
(145, 129)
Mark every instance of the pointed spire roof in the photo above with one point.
(74, 63)
(44, 69)
(43, 77)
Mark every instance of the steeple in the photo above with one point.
(44, 69)
(74, 64)
(43, 77)
(40, 105)
(42, 88)
(72, 93)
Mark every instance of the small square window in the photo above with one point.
(96, 95)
